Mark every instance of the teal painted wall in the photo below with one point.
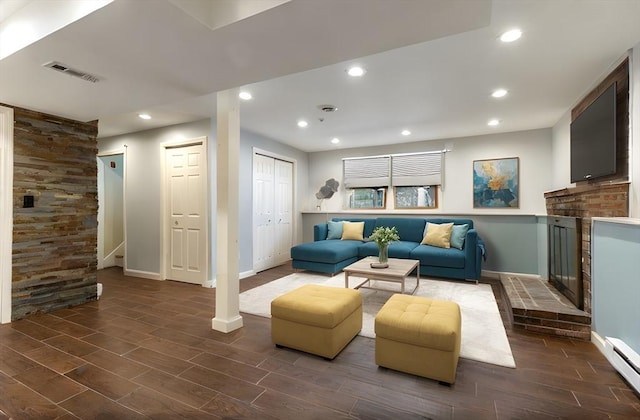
(514, 243)
(616, 280)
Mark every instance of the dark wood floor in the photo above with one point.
(147, 350)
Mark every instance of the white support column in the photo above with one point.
(227, 317)
(6, 211)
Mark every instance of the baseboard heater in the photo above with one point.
(624, 359)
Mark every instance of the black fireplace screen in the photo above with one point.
(565, 269)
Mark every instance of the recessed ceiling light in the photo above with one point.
(245, 96)
(355, 71)
(302, 123)
(144, 116)
(499, 93)
(335, 140)
(405, 132)
(511, 35)
(493, 122)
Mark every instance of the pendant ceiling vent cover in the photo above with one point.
(63, 68)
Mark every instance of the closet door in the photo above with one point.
(272, 211)
(283, 206)
(263, 187)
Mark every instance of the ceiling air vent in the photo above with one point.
(72, 72)
(327, 108)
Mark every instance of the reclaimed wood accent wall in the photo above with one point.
(621, 77)
(55, 241)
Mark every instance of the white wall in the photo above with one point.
(532, 147)
(247, 143)
(143, 189)
(561, 153)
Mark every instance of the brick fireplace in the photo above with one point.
(607, 196)
(603, 197)
(585, 202)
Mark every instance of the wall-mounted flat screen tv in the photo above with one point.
(593, 139)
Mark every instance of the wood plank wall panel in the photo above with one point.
(55, 242)
(621, 77)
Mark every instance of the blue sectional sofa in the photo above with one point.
(332, 255)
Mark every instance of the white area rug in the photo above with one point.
(483, 336)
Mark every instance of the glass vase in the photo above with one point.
(383, 253)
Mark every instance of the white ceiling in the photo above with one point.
(431, 64)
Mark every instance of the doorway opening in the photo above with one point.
(112, 250)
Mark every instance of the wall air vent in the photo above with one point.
(72, 72)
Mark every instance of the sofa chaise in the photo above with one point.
(332, 255)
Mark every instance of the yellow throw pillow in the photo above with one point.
(353, 230)
(438, 235)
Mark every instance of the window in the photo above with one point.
(367, 198)
(415, 169)
(414, 176)
(370, 172)
(422, 197)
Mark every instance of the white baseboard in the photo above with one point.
(246, 274)
(598, 341)
(111, 260)
(490, 274)
(622, 357)
(142, 274)
(226, 325)
(212, 283)
(497, 274)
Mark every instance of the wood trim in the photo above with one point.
(6, 211)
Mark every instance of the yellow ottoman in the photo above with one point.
(320, 320)
(420, 336)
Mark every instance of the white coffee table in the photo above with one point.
(397, 272)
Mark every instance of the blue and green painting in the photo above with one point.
(495, 183)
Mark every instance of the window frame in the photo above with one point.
(351, 191)
(432, 188)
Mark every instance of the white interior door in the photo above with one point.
(283, 207)
(263, 216)
(187, 248)
(272, 211)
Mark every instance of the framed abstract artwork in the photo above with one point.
(496, 183)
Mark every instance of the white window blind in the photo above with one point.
(364, 172)
(416, 169)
